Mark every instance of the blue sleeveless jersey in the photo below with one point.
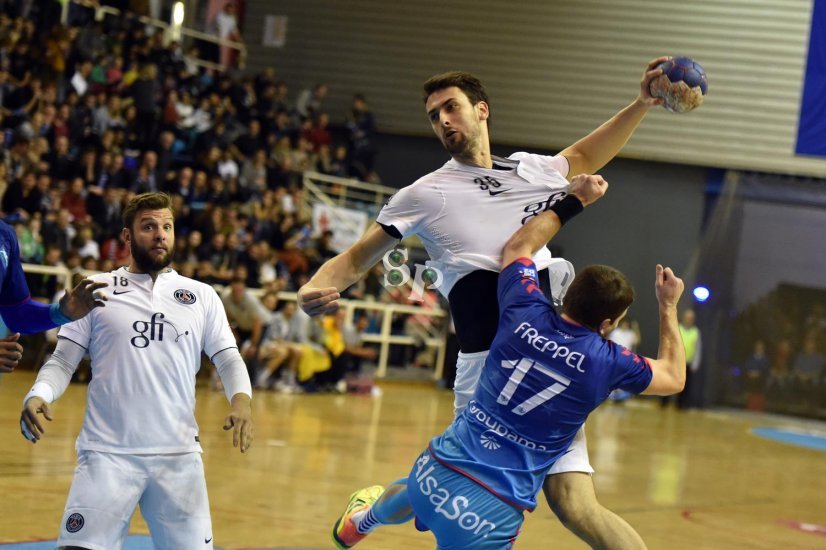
(542, 378)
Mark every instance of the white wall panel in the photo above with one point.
(557, 69)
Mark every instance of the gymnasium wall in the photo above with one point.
(555, 70)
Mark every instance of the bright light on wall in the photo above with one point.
(177, 21)
(178, 14)
(701, 293)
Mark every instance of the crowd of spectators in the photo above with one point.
(97, 111)
(288, 351)
(780, 349)
(94, 112)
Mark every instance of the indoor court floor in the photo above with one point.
(685, 480)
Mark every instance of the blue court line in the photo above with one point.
(800, 438)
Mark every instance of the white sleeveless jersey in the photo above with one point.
(145, 347)
(464, 214)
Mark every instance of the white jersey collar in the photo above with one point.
(165, 273)
(453, 164)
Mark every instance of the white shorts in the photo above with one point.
(170, 489)
(469, 368)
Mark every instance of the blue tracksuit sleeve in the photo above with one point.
(21, 313)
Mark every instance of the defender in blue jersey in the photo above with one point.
(21, 314)
(545, 373)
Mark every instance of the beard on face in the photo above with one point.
(146, 262)
(456, 146)
(466, 144)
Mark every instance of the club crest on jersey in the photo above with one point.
(527, 275)
(186, 297)
(74, 523)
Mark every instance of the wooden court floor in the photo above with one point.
(691, 480)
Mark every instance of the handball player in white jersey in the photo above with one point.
(464, 213)
(139, 443)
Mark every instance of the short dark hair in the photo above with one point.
(469, 84)
(597, 293)
(145, 201)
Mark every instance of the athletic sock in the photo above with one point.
(392, 508)
(365, 521)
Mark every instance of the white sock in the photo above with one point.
(365, 521)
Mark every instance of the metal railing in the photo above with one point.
(349, 193)
(433, 338)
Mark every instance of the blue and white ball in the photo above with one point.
(683, 84)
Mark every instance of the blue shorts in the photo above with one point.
(461, 513)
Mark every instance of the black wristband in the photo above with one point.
(567, 208)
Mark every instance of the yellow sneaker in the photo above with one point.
(345, 534)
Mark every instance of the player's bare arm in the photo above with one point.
(239, 420)
(669, 366)
(82, 299)
(10, 352)
(535, 234)
(595, 150)
(321, 293)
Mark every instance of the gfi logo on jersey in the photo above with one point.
(152, 331)
(536, 208)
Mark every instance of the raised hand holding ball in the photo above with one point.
(682, 85)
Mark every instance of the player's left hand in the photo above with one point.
(239, 420)
(10, 352)
(668, 287)
(651, 72)
(82, 299)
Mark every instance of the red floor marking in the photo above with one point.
(811, 528)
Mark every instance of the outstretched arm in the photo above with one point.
(595, 150)
(26, 316)
(535, 234)
(31, 317)
(669, 366)
(321, 293)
